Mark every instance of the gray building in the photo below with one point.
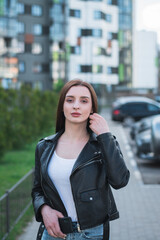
(34, 60)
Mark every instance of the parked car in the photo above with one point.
(141, 125)
(133, 108)
(147, 139)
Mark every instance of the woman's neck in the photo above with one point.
(76, 132)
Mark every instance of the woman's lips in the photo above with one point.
(75, 114)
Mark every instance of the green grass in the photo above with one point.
(15, 164)
(19, 227)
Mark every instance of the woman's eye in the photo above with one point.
(84, 101)
(69, 100)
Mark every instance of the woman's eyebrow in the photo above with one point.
(80, 96)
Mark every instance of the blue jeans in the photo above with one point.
(95, 233)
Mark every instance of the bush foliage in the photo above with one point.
(24, 115)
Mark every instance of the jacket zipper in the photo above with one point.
(91, 161)
(87, 163)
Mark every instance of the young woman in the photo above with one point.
(74, 170)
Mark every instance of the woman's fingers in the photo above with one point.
(98, 124)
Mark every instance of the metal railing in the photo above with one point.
(14, 203)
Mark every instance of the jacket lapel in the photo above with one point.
(87, 153)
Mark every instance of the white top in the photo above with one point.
(59, 170)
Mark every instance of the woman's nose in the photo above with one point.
(76, 104)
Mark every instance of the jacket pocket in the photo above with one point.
(90, 195)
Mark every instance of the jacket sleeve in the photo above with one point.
(117, 172)
(38, 197)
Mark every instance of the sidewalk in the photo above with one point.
(138, 204)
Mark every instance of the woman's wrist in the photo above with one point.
(43, 208)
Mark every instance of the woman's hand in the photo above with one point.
(50, 219)
(98, 124)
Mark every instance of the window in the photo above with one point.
(40, 67)
(112, 2)
(20, 8)
(36, 10)
(85, 68)
(37, 68)
(134, 107)
(90, 32)
(27, 9)
(108, 17)
(20, 47)
(75, 13)
(21, 67)
(111, 36)
(97, 68)
(76, 50)
(112, 70)
(37, 29)
(20, 27)
(97, 15)
(27, 47)
(36, 48)
(153, 108)
(97, 32)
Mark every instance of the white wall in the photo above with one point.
(88, 44)
(145, 72)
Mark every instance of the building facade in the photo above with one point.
(145, 60)
(125, 42)
(56, 40)
(9, 48)
(93, 31)
(34, 60)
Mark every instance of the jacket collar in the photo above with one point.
(87, 153)
(54, 137)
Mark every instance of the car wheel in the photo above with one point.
(155, 131)
(128, 122)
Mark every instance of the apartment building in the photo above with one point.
(93, 38)
(54, 40)
(125, 42)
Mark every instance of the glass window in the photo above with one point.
(20, 27)
(75, 13)
(36, 10)
(20, 47)
(21, 67)
(20, 8)
(37, 29)
(109, 2)
(97, 32)
(37, 68)
(58, 8)
(97, 68)
(36, 48)
(97, 15)
(109, 70)
(108, 17)
(109, 36)
(153, 108)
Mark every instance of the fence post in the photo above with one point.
(7, 212)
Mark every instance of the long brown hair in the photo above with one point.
(60, 119)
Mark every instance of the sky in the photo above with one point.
(148, 16)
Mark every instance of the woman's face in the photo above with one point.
(77, 104)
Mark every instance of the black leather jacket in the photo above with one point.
(99, 165)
